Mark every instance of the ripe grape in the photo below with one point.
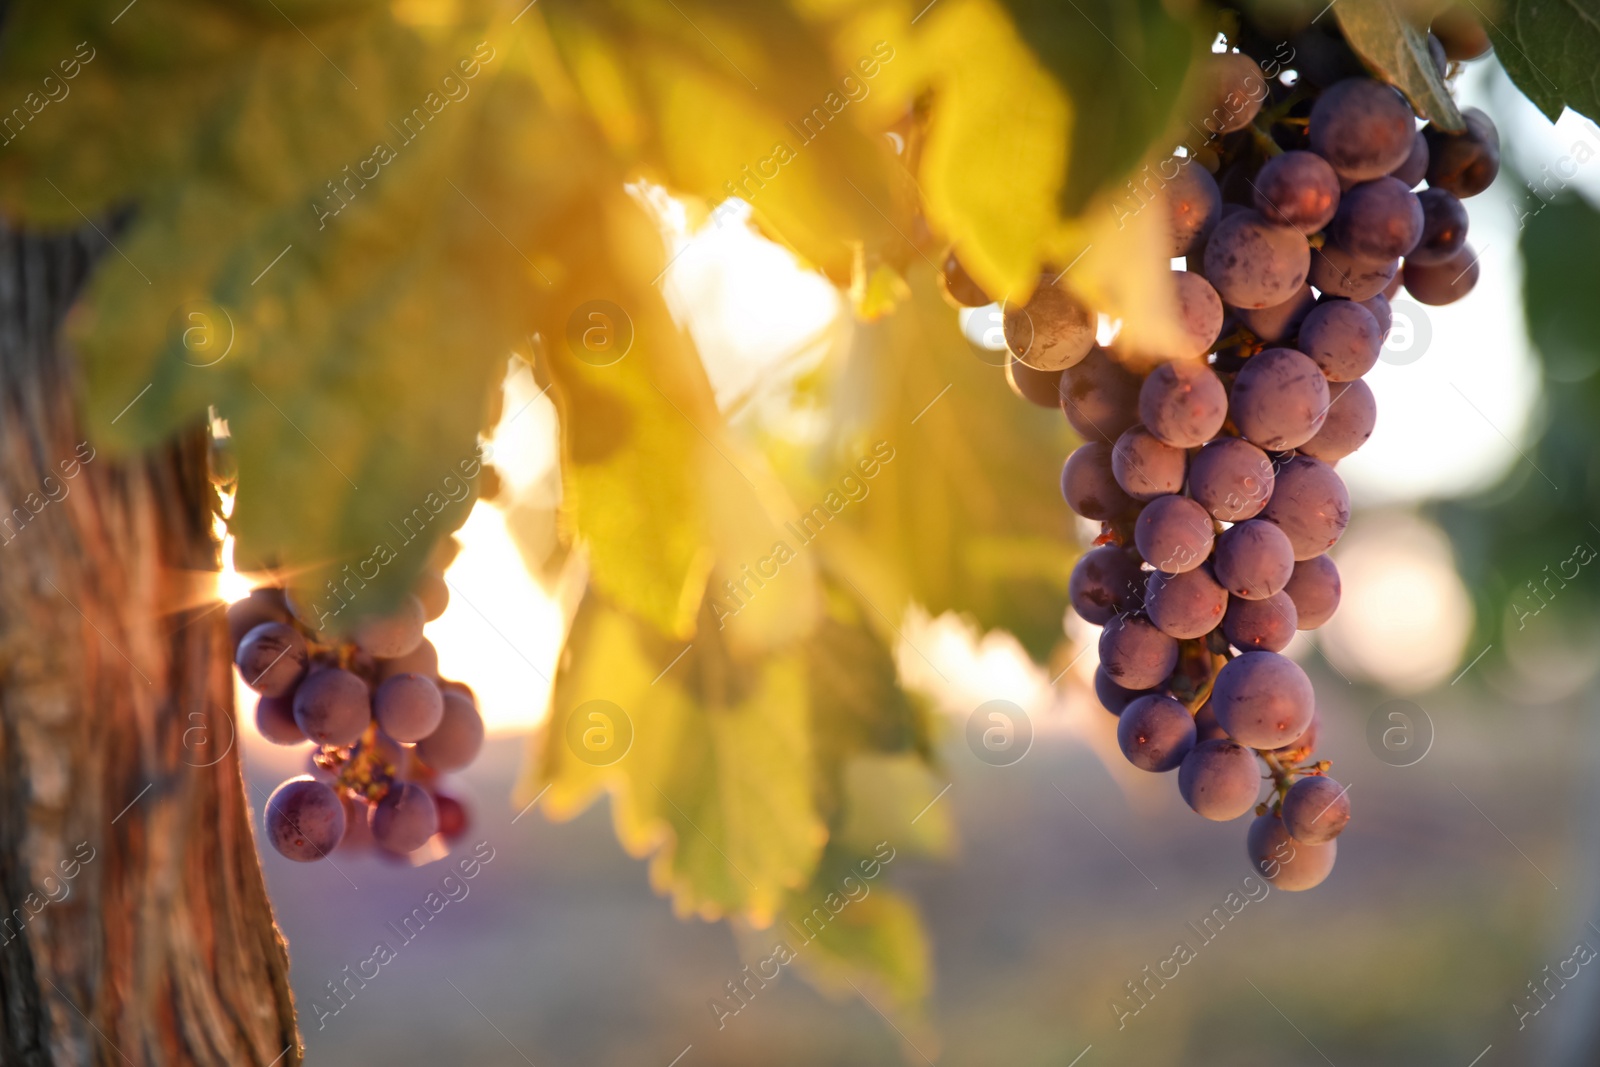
(408, 707)
(1298, 190)
(304, 819)
(1362, 127)
(1254, 559)
(1315, 810)
(1281, 321)
(1260, 625)
(1089, 486)
(1146, 467)
(1380, 310)
(958, 286)
(1300, 748)
(389, 636)
(333, 706)
(1443, 283)
(459, 736)
(1155, 733)
(1311, 504)
(424, 659)
(1254, 264)
(1051, 331)
(1231, 478)
(1136, 655)
(405, 818)
(1342, 338)
(1283, 861)
(1351, 418)
(272, 658)
(1280, 399)
(1193, 204)
(262, 605)
(1041, 387)
(1183, 403)
(1106, 581)
(1464, 163)
(1185, 605)
(1336, 272)
(1378, 220)
(1444, 227)
(1314, 588)
(1262, 699)
(1100, 397)
(1199, 314)
(1206, 726)
(434, 592)
(1415, 168)
(1173, 534)
(453, 819)
(275, 721)
(1235, 88)
(1114, 697)
(1220, 779)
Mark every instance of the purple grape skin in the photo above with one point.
(456, 742)
(1444, 227)
(1219, 779)
(1052, 331)
(304, 819)
(1336, 272)
(1254, 559)
(1173, 534)
(1280, 399)
(1260, 625)
(1280, 322)
(1300, 748)
(1183, 403)
(264, 604)
(1263, 699)
(1342, 338)
(272, 658)
(1041, 387)
(1254, 264)
(1351, 418)
(1415, 168)
(1111, 695)
(390, 636)
(1155, 732)
(405, 818)
(1088, 485)
(1105, 581)
(275, 721)
(1282, 860)
(1199, 314)
(1311, 504)
(1464, 163)
(1186, 605)
(1100, 397)
(424, 660)
(1193, 204)
(1298, 190)
(1378, 220)
(1437, 284)
(333, 706)
(1316, 810)
(1363, 128)
(1314, 588)
(1136, 655)
(1231, 478)
(408, 707)
(1378, 307)
(1235, 83)
(1145, 466)
(1206, 727)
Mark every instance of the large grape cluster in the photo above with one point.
(384, 724)
(1210, 466)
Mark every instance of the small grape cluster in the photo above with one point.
(1212, 473)
(384, 724)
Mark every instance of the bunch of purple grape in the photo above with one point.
(384, 724)
(1211, 466)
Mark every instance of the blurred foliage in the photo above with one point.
(1549, 51)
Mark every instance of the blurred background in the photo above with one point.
(1455, 686)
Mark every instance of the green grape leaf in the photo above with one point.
(1548, 50)
(1391, 44)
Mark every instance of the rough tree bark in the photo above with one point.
(134, 922)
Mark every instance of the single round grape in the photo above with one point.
(1220, 779)
(453, 818)
(1415, 168)
(389, 636)
(1378, 220)
(1280, 399)
(304, 819)
(1314, 588)
(1206, 727)
(1041, 387)
(1260, 625)
(1362, 127)
(333, 706)
(1193, 204)
(408, 707)
(405, 818)
(1282, 860)
(1231, 478)
(1112, 696)
(1351, 417)
(1298, 190)
(272, 658)
(433, 592)
(1464, 163)
(1253, 263)
(1089, 486)
(424, 659)
(1444, 227)
(1254, 559)
(1309, 501)
(1105, 581)
(1460, 33)
(1280, 322)
(1155, 733)
(275, 721)
(1342, 338)
(1173, 534)
(1234, 89)
(1199, 314)
(262, 605)
(1378, 307)
(1136, 655)
(1316, 810)
(1185, 605)
(459, 736)
(1100, 397)
(1051, 331)
(1183, 403)
(1263, 699)
(1336, 272)
(958, 286)
(1145, 466)
(1301, 747)
(1438, 284)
